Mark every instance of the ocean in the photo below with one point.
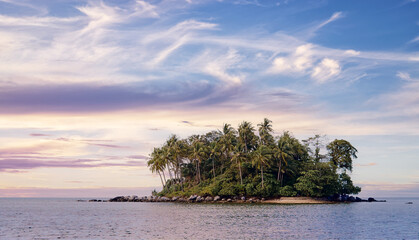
(26, 218)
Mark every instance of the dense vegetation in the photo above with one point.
(240, 162)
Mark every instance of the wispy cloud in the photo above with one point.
(19, 164)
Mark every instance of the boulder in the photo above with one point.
(263, 199)
(371, 199)
(243, 198)
(208, 199)
(357, 199)
(174, 199)
(199, 199)
(217, 198)
(132, 198)
(223, 199)
(192, 197)
(351, 199)
(229, 200)
(164, 199)
(117, 199)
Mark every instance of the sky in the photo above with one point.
(88, 88)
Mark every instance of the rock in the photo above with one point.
(199, 199)
(117, 199)
(174, 199)
(217, 198)
(371, 199)
(192, 197)
(229, 200)
(235, 198)
(223, 199)
(81, 200)
(93, 200)
(243, 198)
(164, 199)
(357, 199)
(409, 203)
(132, 198)
(351, 199)
(263, 199)
(208, 199)
(251, 200)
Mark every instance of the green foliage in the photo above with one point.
(287, 191)
(233, 162)
(309, 184)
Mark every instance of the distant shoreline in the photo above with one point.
(236, 199)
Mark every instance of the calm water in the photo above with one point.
(69, 219)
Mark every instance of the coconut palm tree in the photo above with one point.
(261, 158)
(154, 163)
(281, 152)
(247, 138)
(198, 153)
(239, 157)
(265, 132)
(214, 153)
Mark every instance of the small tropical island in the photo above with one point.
(252, 163)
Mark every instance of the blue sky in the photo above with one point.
(89, 87)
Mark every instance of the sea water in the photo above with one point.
(69, 219)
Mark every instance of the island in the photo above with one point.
(252, 164)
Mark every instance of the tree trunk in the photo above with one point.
(279, 169)
(197, 172)
(164, 177)
(240, 169)
(261, 170)
(170, 173)
(161, 179)
(213, 167)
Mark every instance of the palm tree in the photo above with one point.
(198, 154)
(227, 142)
(239, 157)
(214, 153)
(280, 153)
(246, 136)
(261, 157)
(265, 130)
(154, 163)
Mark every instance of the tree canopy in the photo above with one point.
(247, 162)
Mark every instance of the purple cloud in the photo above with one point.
(11, 164)
(88, 98)
(39, 135)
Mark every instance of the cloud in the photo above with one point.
(297, 62)
(406, 76)
(416, 39)
(352, 52)
(325, 70)
(248, 2)
(333, 18)
(39, 135)
(21, 163)
(88, 98)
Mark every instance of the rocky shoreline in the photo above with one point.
(236, 199)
